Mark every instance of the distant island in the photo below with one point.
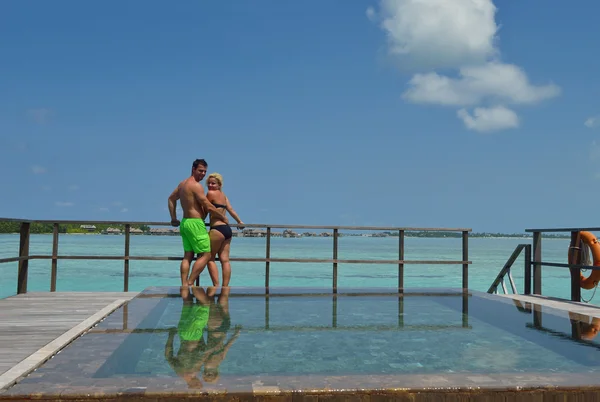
(45, 228)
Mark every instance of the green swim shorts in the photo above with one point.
(194, 235)
(192, 322)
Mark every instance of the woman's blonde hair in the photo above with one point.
(217, 177)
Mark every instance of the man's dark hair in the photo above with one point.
(199, 162)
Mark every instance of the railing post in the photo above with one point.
(527, 271)
(537, 258)
(575, 255)
(54, 269)
(465, 258)
(335, 257)
(126, 260)
(267, 257)
(334, 311)
(401, 258)
(23, 253)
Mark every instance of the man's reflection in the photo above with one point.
(194, 352)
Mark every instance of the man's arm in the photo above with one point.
(233, 213)
(173, 206)
(210, 208)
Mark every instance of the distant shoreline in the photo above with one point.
(436, 235)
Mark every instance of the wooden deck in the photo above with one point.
(33, 326)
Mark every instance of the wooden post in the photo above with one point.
(23, 253)
(401, 258)
(465, 309)
(335, 257)
(465, 258)
(575, 255)
(267, 310)
(537, 258)
(126, 261)
(334, 311)
(267, 257)
(527, 271)
(54, 258)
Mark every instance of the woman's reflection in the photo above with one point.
(219, 323)
(194, 352)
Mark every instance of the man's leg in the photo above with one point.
(184, 268)
(198, 268)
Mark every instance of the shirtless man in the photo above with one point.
(193, 232)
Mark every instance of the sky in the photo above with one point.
(430, 113)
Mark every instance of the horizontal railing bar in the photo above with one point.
(13, 259)
(562, 265)
(251, 225)
(415, 327)
(239, 259)
(564, 230)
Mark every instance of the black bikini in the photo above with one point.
(224, 229)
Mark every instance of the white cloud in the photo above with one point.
(433, 34)
(592, 122)
(461, 35)
(38, 169)
(40, 115)
(64, 204)
(117, 203)
(124, 210)
(489, 119)
(496, 82)
(103, 209)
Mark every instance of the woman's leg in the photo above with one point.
(224, 258)
(216, 240)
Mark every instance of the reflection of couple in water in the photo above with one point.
(194, 352)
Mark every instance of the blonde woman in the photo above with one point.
(220, 232)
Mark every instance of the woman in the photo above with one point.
(220, 232)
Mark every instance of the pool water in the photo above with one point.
(210, 334)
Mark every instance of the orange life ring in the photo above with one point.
(592, 242)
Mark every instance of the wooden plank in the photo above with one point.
(33, 320)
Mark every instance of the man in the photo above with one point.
(193, 232)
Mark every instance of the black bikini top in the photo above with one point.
(219, 205)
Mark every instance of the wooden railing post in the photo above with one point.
(335, 257)
(267, 257)
(401, 258)
(527, 271)
(575, 255)
(23, 253)
(537, 258)
(465, 258)
(54, 270)
(126, 260)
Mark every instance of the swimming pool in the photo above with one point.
(239, 340)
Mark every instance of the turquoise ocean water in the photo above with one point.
(487, 254)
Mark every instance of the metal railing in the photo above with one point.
(534, 263)
(506, 272)
(25, 231)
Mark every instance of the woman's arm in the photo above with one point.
(232, 211)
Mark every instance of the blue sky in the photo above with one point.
(366, 112)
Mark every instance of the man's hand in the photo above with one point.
(241, 225)
(175, 222)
